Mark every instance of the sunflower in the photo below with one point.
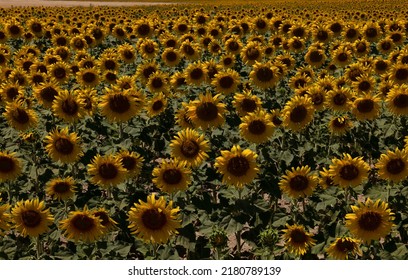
(228, 60)
(47, 92)
(190, 50)
(82, 225)
(399, 73)
(68, 106)
(10, 166)
(366, 107)
(361, 47)
(351, 32)
(63, 146)
(88, 77)
(397, 100)
(127, 53)
(342, 56)
(19, 117)
(117, 105)
(207, 111)
(106, 171)
(61, 188)
(251, 53)
(171, 176)
(344, 247)
(78, 43)
(264, 75)
(297, 240)
(147, 48)
(182, 118)
(212, 68)
(10, 91)
(299, 82)
(298, 112)
(349, 171)
(257, 127)
(109, 61)
(226, 82)
(5, 218)
(339, 125)
(156, 105)
(364, 84)
(318, 96)
(132, 162)
(171, 57)
(89, 99)
(108, 224)
(325, 180)
(393, 166)
(246, 102)
(233, 45)
(370, 220)
(143, 28)
(339, 99)
(154, 221)
(298, 182)
(315, 57)
(158, 82)
(237, 166)
(31, 218)
(195, 74)
(385, 46)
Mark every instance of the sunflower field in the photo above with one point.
(205, 131)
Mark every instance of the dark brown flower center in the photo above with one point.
(196, 74)
(143, 29)
(119, 103)
(6, 164)
(264, 74)
(257, 127)
(315, 56)
(322, 35)
(103, 217)
(339, 123)
(60, 73)
(276, 121)
(354, 74)
(31, 218)
(64, 146)
(299, 183)
(317, 98)
(157, 105)
(172, 176)
(128, 162)
(364, 85)
(207, 111)
(171, 56)
(188, 50)
(401, 101)
(48, 94)
(298, 114)
(89, 77)
(349, 172)
(110, 64)
(83, 223)
(36, 27)
(20, 116)
(342, 57)
(395, 166)
(233, 46)
(401, 74)
(238, 166)
(108, 171)
(386, 46)
(298, 236)
(253, 53)
(365, 106)
(189, 148)
(14, 30)
(371, 32)
(157, 82)
(370, 221)
(339, 99)
(70, 107)
(154, 219)
(226, 82)
(248, 105)
(345, 246)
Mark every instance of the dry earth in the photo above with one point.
(36, 3)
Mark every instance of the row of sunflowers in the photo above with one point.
(201, 132)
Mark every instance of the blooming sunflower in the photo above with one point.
(340, 125)
(10, 166)
(47, 92)
(298, 112)
(246, 102)
(82, 225)
(325, 180)
(252, 52)
(207, 112)
(298, 182)
(5, 218)
(61, 188)
(106, 171)
(318, 96)
(108, 224)
(182, 118)
(226, 82)
(189, 147)
(397, 100)
(264, 75)
(132, 162)
(19, 117)
(393, 166)
(315, 57)
(195, 74)
(370, 220)
(63, 146)
(257, 127)
(339, 99)
(171, 57)
(297, 240)
(158, 82)
(68, 106)
(31, 218)
(88, 77)
(154, 221)
(366, 107)
(171, 176)
(237, 166)
(118, 105)
(60, 72)
(89, 98)
(344, 247)
(157, 104)
(349, 171)
(399, 73)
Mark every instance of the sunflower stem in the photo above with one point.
(120, 124)
(39, 247)
(155, 252)
(238, 238)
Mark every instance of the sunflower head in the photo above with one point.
(61, 188)
(10, 166)
(106, 171)
(344, 247)
(349, 171)
(298, 112)
(63, 146)
(154, 221)
(257, 127)
(393, 165)
(299, 182)
(297, 240)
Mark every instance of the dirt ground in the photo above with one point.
(36, 3)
